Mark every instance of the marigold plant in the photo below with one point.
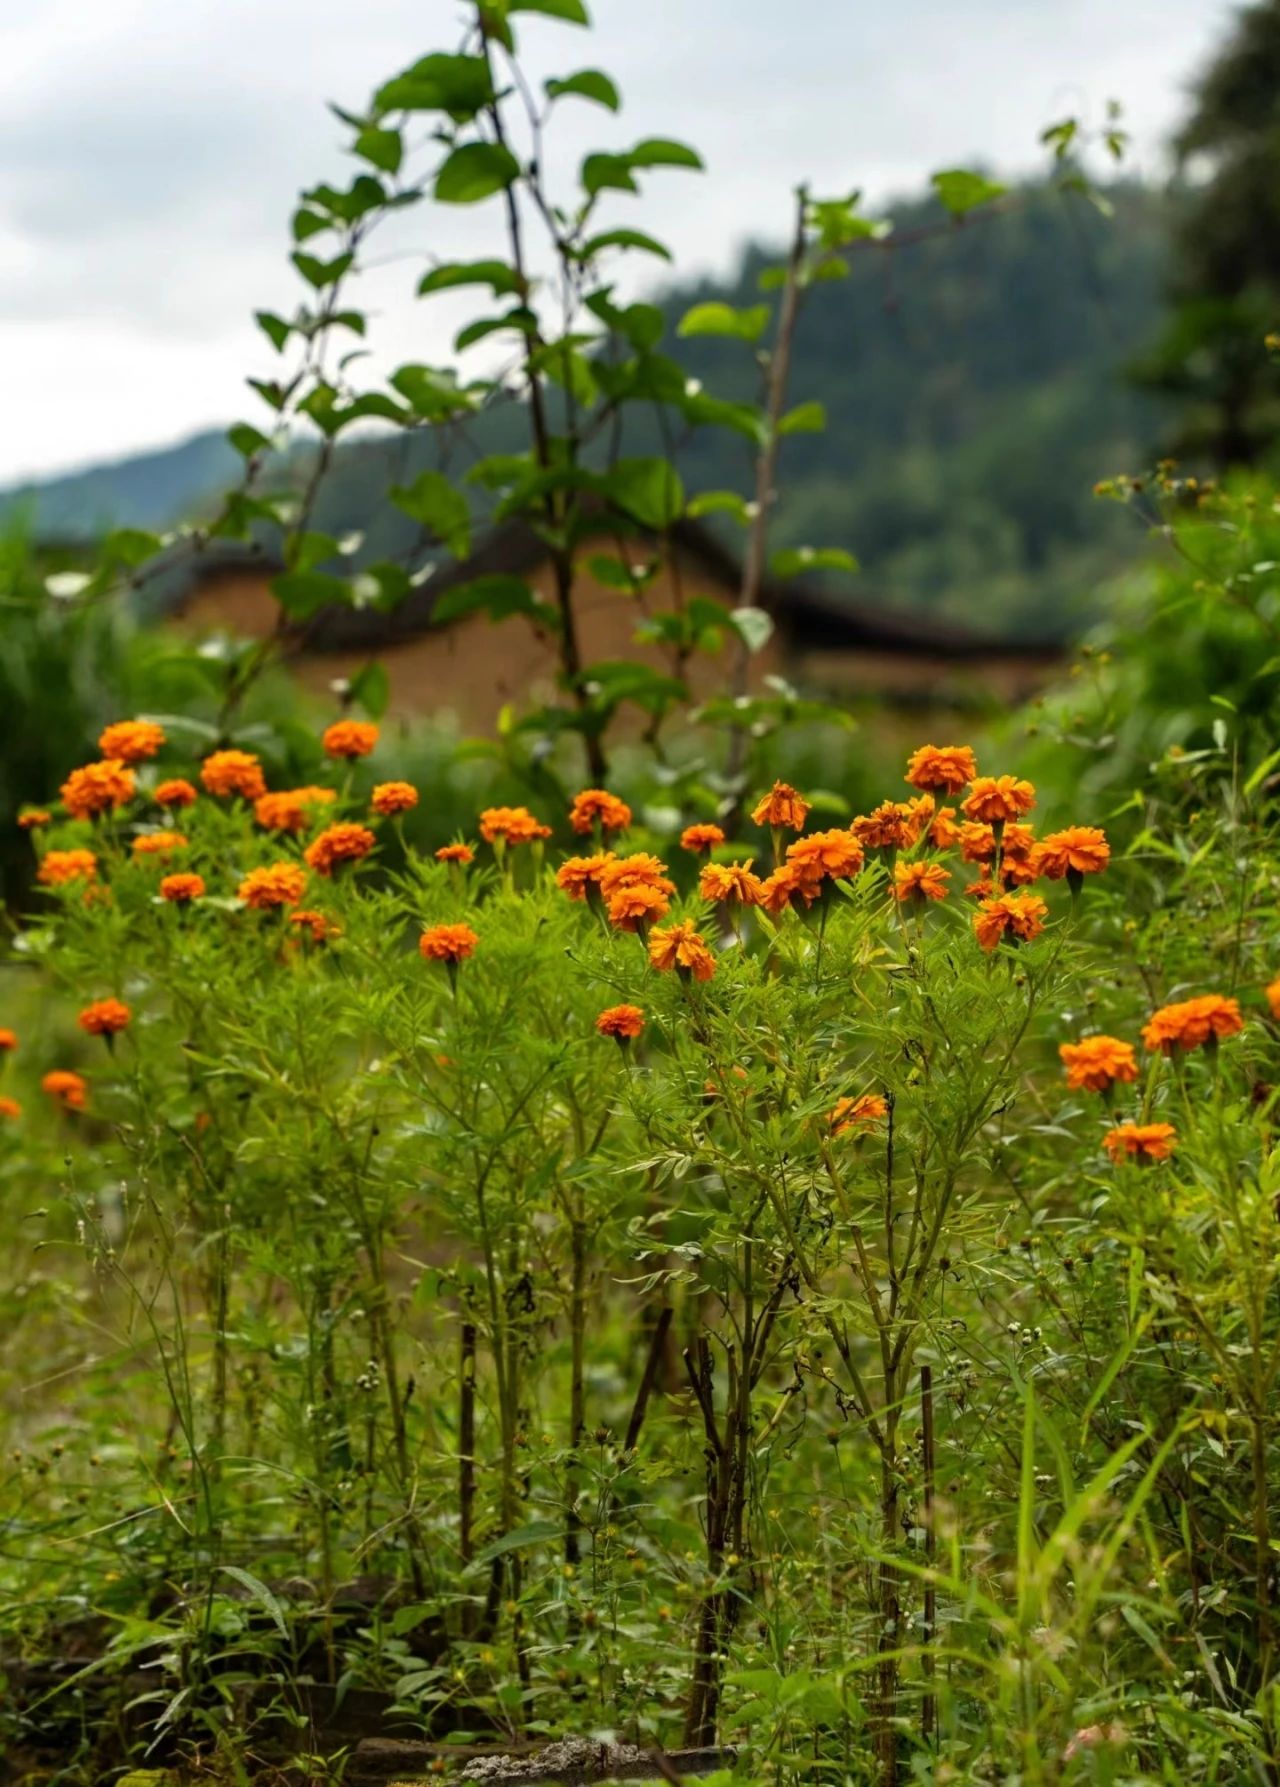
(233, 772)
(572, 1346)
(98, 788)
(272, 886)
(350, 738)
(132, 741)
(391, 798)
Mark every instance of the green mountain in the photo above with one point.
(975, 389)
(973, 375)
(147, 490)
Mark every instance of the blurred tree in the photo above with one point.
(1226, 285)
(71, 662)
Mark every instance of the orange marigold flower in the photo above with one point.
(701, 837)
(448, 943)
(8, 1041)
(390, 798)
(782, 806)
(860, 1113)
(9, 1107)
(1079, 850)
(920, 811)
(596, 806)
(97, 788)
(836, 854)
(1273, 998)
(105, 1017)
(182, 888)
(632, 906)
(1191, 1023)
(732, 882)
(1141, 1141)
(68, 1088)
(131, 740)
(233, 772)
(578, 875)
(920, 881)
(318, 926)
(58, 867)
(1096, 1063)
(33, 817)
(459, 853)
(786, 886)
(891, 825)
(174, 793)
(978, 843)
(994, 799)
(349, 738)
(640, 870)
(158, 843)
(276, 884)
(943, 830)
(511, 825)
(623, 1021)
(680, 946)
(941, 769)
(1018, 868)
(289, 809)
(1020, 916)
(337, 844)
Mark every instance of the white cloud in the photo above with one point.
(151, 155)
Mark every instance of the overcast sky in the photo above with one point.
(151, 152)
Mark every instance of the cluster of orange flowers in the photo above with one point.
(181, 889)
(1100, 1063)
(98, 788)
(1193, 1023)
(67, 1089)
(291, 809)
(625, 1022)
(131, 741)
(105, 1017)
(855, 1116)
(511, 825)
(595, 809)
(633, 892)
(227, 773)
(174, 793)
(274, 885)
(61, 868)
(9, 1107)
(1141, 1141)
(158, 843)
(318, 927)
(101, 788)
(392, 798)
(338, 844)
(349, 739)
(450, 944)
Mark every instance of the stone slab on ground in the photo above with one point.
(573, 1762)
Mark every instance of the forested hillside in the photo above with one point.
(973, 376)
(148, 490)
(975, 391)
